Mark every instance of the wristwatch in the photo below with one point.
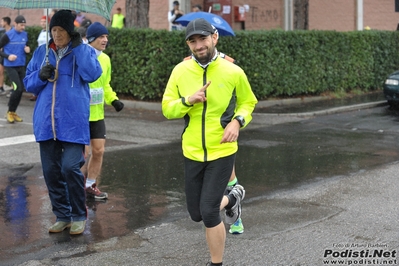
(240, 120)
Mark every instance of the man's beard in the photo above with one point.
(206, 58)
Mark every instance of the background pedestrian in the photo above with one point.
(118, 19)
(14, 45)
(174, 14)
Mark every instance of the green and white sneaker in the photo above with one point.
(237, 227)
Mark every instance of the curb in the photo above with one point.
(142, 105)
(330, 110)
(158, 107)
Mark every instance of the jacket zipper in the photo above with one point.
(203, 120)
(54, 91)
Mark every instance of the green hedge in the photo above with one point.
(277, 63)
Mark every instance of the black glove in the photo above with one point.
(118, 105)
(46, 72)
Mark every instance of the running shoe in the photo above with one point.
(94, 192)
(237, 227)
(234, 213)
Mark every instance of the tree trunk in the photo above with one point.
(137, 13)
(301, 14)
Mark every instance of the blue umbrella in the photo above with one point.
(218, 22)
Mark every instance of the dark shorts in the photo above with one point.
(1, 61)
(97, 130)
(205, 183)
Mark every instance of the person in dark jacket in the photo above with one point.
(61, 117)
(174, 14)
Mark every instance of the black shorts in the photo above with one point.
(205, 183)
(97, 129)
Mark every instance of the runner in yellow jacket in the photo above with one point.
(238, 226)
(101, 92)
(215, 99)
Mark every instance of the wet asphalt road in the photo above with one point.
(317, 186)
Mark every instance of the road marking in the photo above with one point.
(17, 140)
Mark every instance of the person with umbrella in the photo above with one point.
(15, 47)
(61, 117)
(216, 100)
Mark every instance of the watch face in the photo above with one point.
(241, 120)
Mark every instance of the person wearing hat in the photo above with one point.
(14, 45)
(174, 14)
(101, 92)
(216, 100)
(61, 117)
(44, 34)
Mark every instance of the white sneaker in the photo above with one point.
(234, 213)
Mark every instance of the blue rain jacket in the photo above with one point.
(62, 107)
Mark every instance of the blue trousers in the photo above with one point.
(61, 163)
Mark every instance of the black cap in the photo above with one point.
(199, 26)
(20, 19)
(176, 3)
(63, 19)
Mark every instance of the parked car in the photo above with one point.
(391, 89)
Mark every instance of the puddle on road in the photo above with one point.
(149, 182)
(146, 185)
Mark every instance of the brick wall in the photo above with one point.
(337, 15)
(32, 16)
(158, 14)
(380, 14)
(262, 14)
(341, 15)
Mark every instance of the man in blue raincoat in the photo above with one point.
(61, 117)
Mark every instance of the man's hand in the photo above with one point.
(231, 132)
(46, 72)
(199, 96)
(12, 57)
